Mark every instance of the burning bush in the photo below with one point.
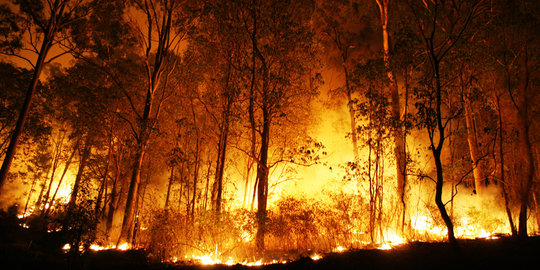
(171, 235)
(293, 225)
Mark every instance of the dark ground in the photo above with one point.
(475, 254)
(29, 249)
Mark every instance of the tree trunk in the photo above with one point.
(56, 161)
(154, 72)
(102, 190)
(528, 169)
(262, 187)
(113, 200)
(262, 165)
(222, 155)
(68, 162)
(472, 140)
(437, 157)
(354, 135)
(129, 213)
(180, 192)
(76, 186)
(503, 179)
(171, 179)
(439, 202)
(398, 134)
(56, 13)
(19, 126)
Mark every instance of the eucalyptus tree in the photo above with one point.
(35, 138)
(281, 52)
(397, 115)
(373, 112)
(85, 102)
(220, 50)
(29, 36)
(511, 43)
(440, 25)
(159, 28)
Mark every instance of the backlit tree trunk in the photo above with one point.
(168, 196)
(525, 148)
(398, 134)
(223, 138)
(504, 184)
(350, 106)
(262, 165)
(155, 64)
(56, 12)
(472, 140)
(528, 170)
(85, 154)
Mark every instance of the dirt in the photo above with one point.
(474, 254)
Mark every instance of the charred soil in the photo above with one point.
(475, 254)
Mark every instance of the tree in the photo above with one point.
(398, 132)
(514, 49)
(440, 25)
(42, 23)
(280, 52)
(373, 110)
(221, 52)
(166, 19)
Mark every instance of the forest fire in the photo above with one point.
(256, 133)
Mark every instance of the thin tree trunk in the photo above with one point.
(528, 170)
(180, 192)
(222, 155)
(126, 232)
(354, 135)
(262, 188)
(197, 161)
(154, 72)
(113, 200)
(262, 166)
(30, 194)
(472, 140)
(205, 203)
(19, 126)
(503, 179)
(76, 186)
(399, 135)
(68, 163)
(103, 186)
(56, 160)
(171, 179)
(249, 165)
(437, 150)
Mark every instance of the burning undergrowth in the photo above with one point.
(296, 227)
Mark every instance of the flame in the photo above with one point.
(124, 246)
(385, 246)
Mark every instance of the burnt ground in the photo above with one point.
(475, 254)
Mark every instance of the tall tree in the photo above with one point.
(441, 26)
(515, 49)
(40, 22)
(160, 34)
(281, 54)
(398, 132)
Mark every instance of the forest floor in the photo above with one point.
(475, 254)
